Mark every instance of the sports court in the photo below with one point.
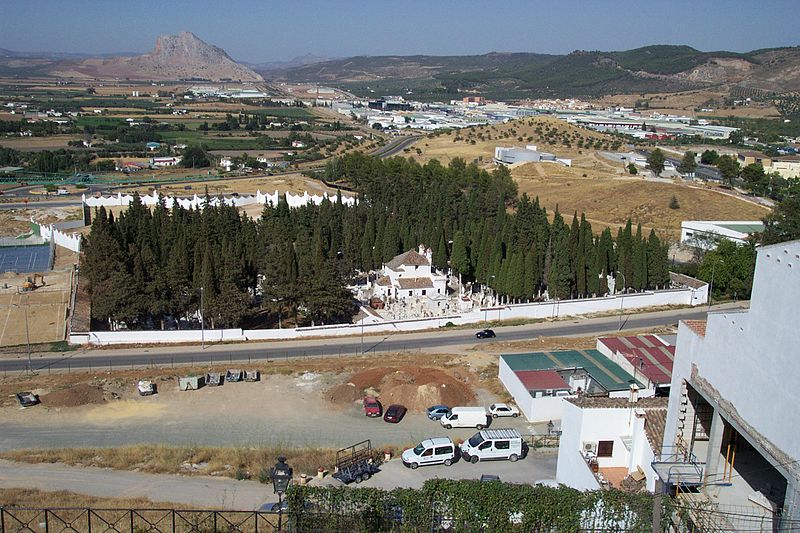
(25, 259)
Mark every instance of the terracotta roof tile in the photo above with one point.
(698, 326)
(604, 402)
(383, 281)
(654, 423)
(415, 283)
(408, 258)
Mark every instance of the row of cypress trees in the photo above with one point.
(147, 266)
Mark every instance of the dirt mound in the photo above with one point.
(81, 394)
(343, 394)
(414, 387)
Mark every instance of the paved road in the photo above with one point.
(200, 491)
(162, 356)
(395, 146)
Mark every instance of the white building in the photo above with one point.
(511, 155)
(732, 425)
(540, 382)
(605, 440)
(165, 161)
(410, 275)
(706, 233)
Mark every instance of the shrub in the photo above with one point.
(674, 204)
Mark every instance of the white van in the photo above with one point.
(465, 417)
(493, 444)
(439, 450)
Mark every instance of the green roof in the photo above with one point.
(754, 227)
(604, 371)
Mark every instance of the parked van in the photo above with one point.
(494, 444)
(439, 450)
(465, 417)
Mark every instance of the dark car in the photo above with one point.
(485, 334)
(27, 399)
(394, 413)
(436, 412)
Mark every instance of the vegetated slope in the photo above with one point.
(182, 56)
(658, 68)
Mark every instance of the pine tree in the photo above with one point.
(459, 257)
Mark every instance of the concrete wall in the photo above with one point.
(197, 202)
(71, 241)
(571, 469)
(515, 387)
(528, 311)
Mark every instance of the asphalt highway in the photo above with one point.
(340, 346)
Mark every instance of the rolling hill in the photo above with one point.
(658, 68)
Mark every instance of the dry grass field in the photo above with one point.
(36, 499)
(610, 202)
(294, 183)
(33, 144)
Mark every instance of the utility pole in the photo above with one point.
(622, 299)
(28, 341)
(202, 322)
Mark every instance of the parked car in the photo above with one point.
(372, 407)
(503, 409)
(146, 388)
(485, 334)
(27, 399)
(439, 450)
(465, 417)
(394, 413)
(494, 444)
(435, 412)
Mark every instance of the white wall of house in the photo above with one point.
(515, 387)
(745, 362)
(746, 356)
(580, 425)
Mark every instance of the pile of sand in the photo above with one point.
(415, 387)
(343, 394)
(73, 396)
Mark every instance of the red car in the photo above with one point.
(394, 413)
(372, 407)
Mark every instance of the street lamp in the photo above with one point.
(622, 299)
(202, 322)
(281, 475)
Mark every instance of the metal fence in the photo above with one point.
(77, 520)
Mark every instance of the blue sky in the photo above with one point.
(267, 30)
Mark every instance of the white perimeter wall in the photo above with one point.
(528, 311)
(197, 202)
(71, 241)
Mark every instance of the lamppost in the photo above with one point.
(281, 475)
(621, 299)
(202, 322)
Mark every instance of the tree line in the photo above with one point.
(147, 266)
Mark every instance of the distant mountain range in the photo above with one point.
(659, 68)
(182, 56)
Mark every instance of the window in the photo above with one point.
(444, 450)
(486, 445)
(502, 445)
(423, 292)
(427, 453)
(605, 448)
(410, 293)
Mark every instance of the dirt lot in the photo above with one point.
(294, 183)
(15, 222)
(36, 144)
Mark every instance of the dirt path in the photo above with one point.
(201, 491)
